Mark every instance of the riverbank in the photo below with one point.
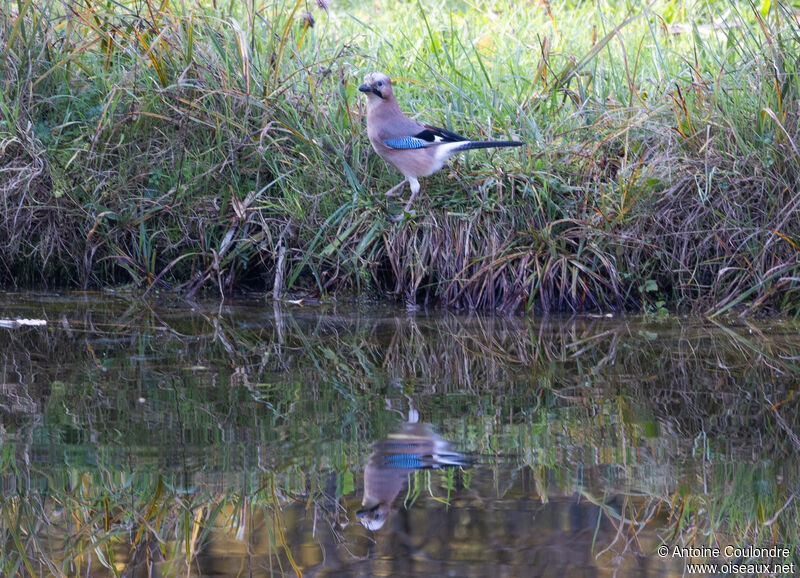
(194, 149)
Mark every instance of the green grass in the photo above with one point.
(189, 146)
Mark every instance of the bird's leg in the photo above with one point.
(414, 183)
(391, 192)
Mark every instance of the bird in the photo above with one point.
(413, 148)
(414, 447)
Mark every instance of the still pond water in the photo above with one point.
(164, 438)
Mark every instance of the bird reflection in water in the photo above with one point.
(415, 446)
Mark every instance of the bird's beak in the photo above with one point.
(365, 88)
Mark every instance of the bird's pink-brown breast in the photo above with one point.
(412, 163)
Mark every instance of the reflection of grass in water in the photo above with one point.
(656, 424)
(91, 520)
(741, 505)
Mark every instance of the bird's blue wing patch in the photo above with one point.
(406, 142)
(409, 461)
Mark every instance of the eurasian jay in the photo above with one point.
(415, 149)
(415, 447)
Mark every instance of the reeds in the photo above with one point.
(190, 147)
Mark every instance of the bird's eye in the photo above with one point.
(380, 83)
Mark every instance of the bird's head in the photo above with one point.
(374, 515)
(377, 86)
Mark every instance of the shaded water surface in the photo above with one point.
(158, 438)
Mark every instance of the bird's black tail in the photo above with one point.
(488, 144)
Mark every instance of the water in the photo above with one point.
(159, 438)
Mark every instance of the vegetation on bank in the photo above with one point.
(221, 145)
